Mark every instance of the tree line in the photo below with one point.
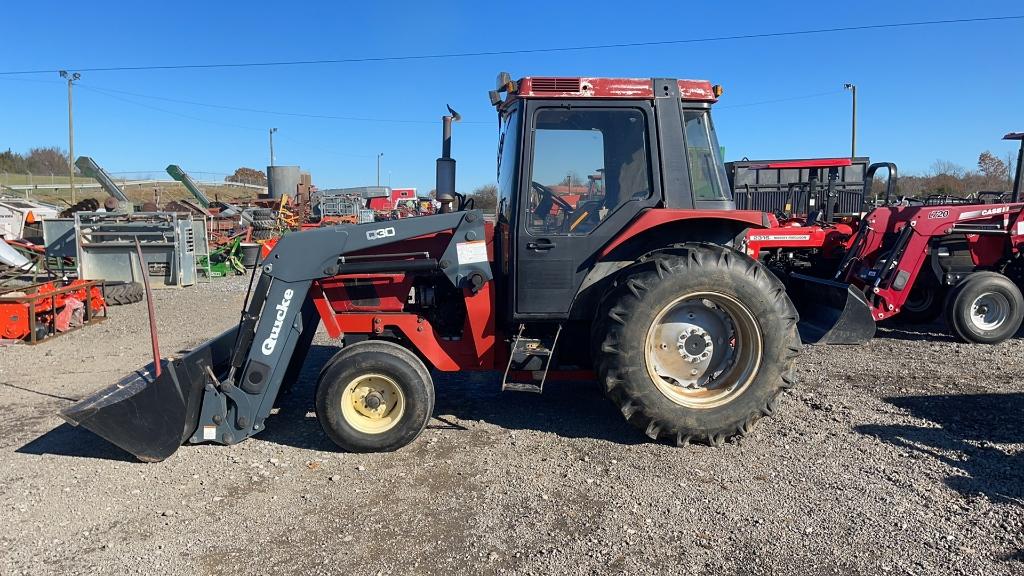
(51, 160)
(991, 174)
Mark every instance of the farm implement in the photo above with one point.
(38, 311)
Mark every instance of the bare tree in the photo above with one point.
(485, 197)
(51, 160)
(994, 171)
(572, 178)
(947, 168)
(948, 178)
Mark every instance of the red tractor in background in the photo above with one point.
(907, 257)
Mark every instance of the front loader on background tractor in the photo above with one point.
(911, 259)
(639, 282)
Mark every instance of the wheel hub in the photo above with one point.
(695, 345)
(372, 403)
(990, 310)
(373, 400)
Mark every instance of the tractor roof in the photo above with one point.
(612, 88)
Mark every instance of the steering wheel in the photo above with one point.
(550, 195)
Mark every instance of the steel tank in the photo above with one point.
(282, 180)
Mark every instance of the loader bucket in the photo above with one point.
(831, 312)
(150, 417)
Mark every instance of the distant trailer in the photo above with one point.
(398, 197)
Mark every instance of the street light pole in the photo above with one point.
(71, 77)
(272, 130)
(853, 126)
(378, 167)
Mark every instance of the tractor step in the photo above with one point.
(529, 355)
(523, 386)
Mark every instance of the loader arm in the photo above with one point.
(223, 390)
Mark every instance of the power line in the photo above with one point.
(198, 119)
(273, 112)
(165, 111)
(413, 57)
(112, 93)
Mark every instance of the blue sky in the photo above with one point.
(927, 93)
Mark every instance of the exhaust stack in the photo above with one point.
(445, 188)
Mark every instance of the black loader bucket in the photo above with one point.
(150, 417)
(831, 312)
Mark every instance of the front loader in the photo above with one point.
(636, 282)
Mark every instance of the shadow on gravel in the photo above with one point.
(568, 409)
(67, 440)
(970, 428)
(37, 392)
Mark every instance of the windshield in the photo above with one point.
(707, 173)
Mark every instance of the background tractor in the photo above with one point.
(911, 259)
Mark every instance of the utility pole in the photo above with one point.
(378, 167)
(272, 130)
(853, 125)
(71, 77)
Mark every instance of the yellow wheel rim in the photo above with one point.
(372, 403)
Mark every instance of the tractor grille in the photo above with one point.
(556, 84)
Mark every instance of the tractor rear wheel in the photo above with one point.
(698, 344)
(374, 396)
(985, 308)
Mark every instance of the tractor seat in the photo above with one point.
(586, 216)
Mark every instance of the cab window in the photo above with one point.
(587, 162)
(707, 173)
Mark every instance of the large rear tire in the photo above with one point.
(375, 396)
(698, 343)
(985, 308)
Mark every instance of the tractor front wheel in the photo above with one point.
(698, 344)
(985, 308)
(374, 396)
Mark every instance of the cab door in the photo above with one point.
(587, 172)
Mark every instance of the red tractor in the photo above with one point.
(640, 286)
(913, 258)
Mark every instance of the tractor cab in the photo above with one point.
(579, 159)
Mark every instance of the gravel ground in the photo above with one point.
(903, 456)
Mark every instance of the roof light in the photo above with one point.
(717, 90)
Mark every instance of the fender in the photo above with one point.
(654, 218)
(660, 228)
